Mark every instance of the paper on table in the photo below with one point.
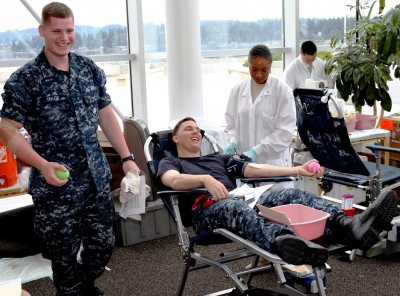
(11, 287)
(274, 215)
(27, 269)
(251, 195)
(15, 202)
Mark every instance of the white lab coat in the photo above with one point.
(296, 73)
(267, 125)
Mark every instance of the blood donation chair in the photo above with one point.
(159, 145)
(327, 139)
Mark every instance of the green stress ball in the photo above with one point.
(62, 175)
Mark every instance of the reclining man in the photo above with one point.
(192, 170)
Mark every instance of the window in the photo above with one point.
(229, 36)
(102, 31)
(155, 64)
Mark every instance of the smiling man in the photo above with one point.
(60, 98)
(215, 172)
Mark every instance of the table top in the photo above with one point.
(15, 202)
(369, 134)
(363, 135)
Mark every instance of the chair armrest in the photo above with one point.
(374, 148)
(168, 193)
(272, 179)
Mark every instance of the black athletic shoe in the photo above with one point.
(297, 251)
(91, 290)
(362, 231)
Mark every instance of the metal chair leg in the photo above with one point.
(185, 271)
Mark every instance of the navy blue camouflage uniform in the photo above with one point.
(60, 110)
(237, 215)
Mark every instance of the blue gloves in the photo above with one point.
(230, 149)
(252, 154)
(232, 146)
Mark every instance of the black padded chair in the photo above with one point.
(327, 139)
(159, 145)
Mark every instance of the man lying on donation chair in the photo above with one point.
(191, 170)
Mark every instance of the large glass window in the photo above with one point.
(321, 20)
(225, 40)
(102, 31)
(156, 64)
(241, 25)
(228, 30)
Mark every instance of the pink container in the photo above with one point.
(365, 121)
(351, 125)
(307, 222)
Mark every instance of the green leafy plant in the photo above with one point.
(361, 63)
(324, 55)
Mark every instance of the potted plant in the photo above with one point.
(362, 61)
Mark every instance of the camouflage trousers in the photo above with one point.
(240, 218)
(75, 223)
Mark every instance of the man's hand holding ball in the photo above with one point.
(314, 167)
(62, 175)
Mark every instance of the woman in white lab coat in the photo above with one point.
(261, 114)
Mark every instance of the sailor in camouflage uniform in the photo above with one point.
(61, 107)
(216, 173)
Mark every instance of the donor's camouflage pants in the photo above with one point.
(238, 217)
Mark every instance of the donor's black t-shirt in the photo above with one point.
(223, 168)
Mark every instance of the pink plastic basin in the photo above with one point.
(307, 222)
(365, 121)
(351, 126)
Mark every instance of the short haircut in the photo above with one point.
(260, 50)
(179, 123)
(56, 9)
(308, 47)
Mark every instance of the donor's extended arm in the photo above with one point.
(266, 170)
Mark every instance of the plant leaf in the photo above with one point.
(356, 75)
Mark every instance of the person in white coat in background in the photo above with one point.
(261, 115)
(306, 66)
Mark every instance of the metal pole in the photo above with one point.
(357, 15)
(32, 11)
